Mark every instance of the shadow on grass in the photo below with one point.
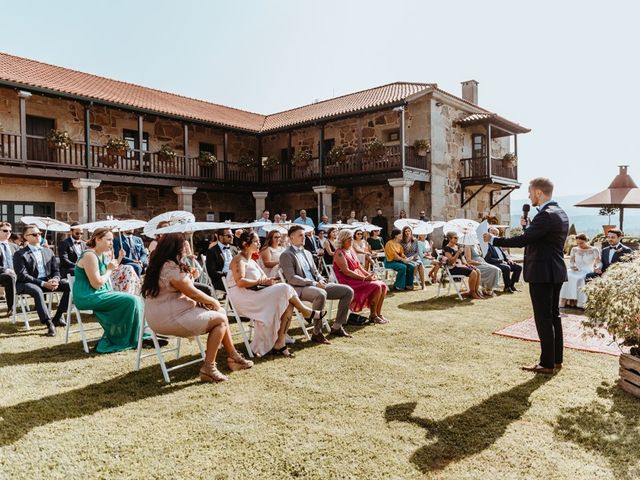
(609, 426)
(54, 354)
(18, 420)
(469, 432)
(436, 303)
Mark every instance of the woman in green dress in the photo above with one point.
(118, 313)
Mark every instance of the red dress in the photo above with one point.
(363, 291)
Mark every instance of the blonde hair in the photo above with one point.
(543, 184)
(97, 234)
(343, 236)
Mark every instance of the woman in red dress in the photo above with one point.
(368, 290)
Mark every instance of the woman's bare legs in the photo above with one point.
(285, 321)
(217, 331)
(301, 307)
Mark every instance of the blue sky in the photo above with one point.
(567, 70)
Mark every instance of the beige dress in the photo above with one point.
(172, 312)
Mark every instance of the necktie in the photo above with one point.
(226, 248)
(131, 249)
(8, 259)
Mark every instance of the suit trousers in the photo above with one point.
(37, 293)
(545, 298)
(510, 273)
(8, 281)
(319, 296)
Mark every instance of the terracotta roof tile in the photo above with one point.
(52, 78)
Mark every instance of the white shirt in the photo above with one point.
(226, 254)
(37, 253)
(261, 231)
(6, 253)
(612, 252)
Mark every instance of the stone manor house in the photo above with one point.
(404, 145)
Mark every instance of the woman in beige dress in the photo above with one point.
(270, 253)
(173, 306)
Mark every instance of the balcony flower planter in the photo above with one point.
(270, 163)
(422, 147)
(109, 160)
(207, 159)
(301, 158)
(166, 153)
(117, 147)
(375, 150)
(613, 304)
(58, 140)
(247, 163)
(510, 159)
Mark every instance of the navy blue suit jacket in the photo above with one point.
(619, 252)
(139, 252)
(544, 245)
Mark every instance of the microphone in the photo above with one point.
(525, 210)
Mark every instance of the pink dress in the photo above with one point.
(363, 291)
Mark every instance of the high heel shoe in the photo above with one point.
(316, 315)
(209, 373)
(238, 362)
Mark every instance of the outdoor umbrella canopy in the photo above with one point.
(465, 228)
(113, 224)
(622, 193)
(425, 228)
(46, 223)
(284, 227)
(407, 222)
(175, 216)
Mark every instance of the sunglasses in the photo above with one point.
(6, 231)
(33, 234)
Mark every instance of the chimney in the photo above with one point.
(470, 91)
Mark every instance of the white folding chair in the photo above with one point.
(77, 313)
(300, 319)
(204, 274)
(230, 309)
(160, 352)
(452, 280)
(387, 275)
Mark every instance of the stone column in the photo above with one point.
(401, 188)
(260, 202)
(86, 188)
(185, 197)
(325, 201)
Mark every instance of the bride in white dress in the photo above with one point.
(268, 303)
(584, 258)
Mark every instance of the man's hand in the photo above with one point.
(50, 284)
(598, 271)
(525, 222)
(321, 284)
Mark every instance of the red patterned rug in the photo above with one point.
(575, 335)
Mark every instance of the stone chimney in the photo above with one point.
(470, 91)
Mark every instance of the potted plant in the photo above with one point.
(301, 158)
(613, 304)
(511, 159)
(58, 140)
(166, 153)
(337, 155)
(207, 159)
(375, 149)
(607, 212)
(269, 163)
(117, 146)
(246, 162)
(422, 147)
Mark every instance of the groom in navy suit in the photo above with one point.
(134, 252)
(611, 254)
(544, 270)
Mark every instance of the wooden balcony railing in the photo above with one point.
(151, 164)
(478, 168)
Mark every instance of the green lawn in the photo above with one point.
(431, 395)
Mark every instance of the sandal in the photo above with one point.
(316, 315)
(284, 351)
(238, 362)
(379, 320)
(209, 373)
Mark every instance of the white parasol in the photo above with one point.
(175, 216)
(46, 224)
(284, 227)
(465, 228)
(425, 228)
(407, 222)
(113, 224)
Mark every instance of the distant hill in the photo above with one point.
(586, 220)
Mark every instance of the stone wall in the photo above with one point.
(15, 189)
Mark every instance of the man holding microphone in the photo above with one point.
(544, 269)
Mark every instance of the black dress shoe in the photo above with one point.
(59, 322)
(51, 330)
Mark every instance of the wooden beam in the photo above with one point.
(141, 142)
(494, 204)
(87, 135)
(464, 202)
(225, 153)
(489, 141)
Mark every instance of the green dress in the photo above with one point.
(118, 313)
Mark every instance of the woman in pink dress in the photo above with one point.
(368, 290)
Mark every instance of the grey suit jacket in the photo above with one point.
(293, 272)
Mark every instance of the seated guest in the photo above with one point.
(611, 254)
(510, 270)
(395, 259)
(37, 270)
(352, 217)
(265, 220)
(7, 272)
(583, 260)
(425, 255)
(270, 253)
(174, 306)
(329, 245)
(269, 303)
(368, 291)
(301, 273)
(304, 220)
(70, 250)
(236, 237)
(365, 219)
(277, 218)
(283, 218)
(154, 242)
(134, 252)
(324, 223)
(489, 274)
(410, 247)
(219, 258)
(458, 264)
(375, 242)
(403, 214)
(313, 244)
(362, 249)
(119, 313)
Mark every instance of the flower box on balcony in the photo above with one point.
(117, 146)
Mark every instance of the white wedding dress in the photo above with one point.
(584, 260)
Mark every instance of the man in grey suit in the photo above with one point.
(299, 271)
